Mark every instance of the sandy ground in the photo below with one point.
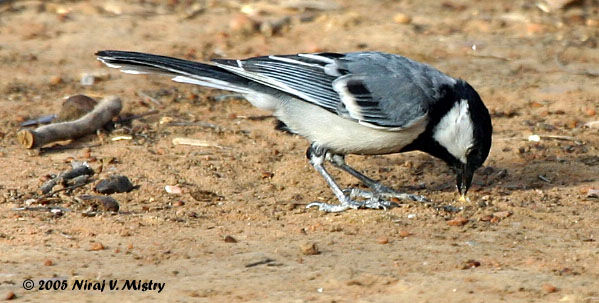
(529, 234)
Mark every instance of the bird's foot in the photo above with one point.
(385, 193)
(347, 203)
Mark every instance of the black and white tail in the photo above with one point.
(183, 70)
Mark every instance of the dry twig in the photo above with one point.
(88, 124)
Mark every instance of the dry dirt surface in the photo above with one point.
(233, 226)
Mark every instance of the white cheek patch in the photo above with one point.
(455, 131)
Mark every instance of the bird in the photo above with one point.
(362, 103)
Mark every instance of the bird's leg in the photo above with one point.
(378, 189)
(317, 156)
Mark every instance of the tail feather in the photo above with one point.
(183, 70)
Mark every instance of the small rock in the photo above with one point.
(89, 78)
(75, 107)
(56, 212)
(401, 18)
(552, 5)
(205, 196)
(97, 246)
(382, 240)
(335, 228)
(549, 288)
(267, 175)
(114, 184)
(78, 181)
(178, 203)
(534, 138)
(10, 296)
(404, 233)
(173, 189)
(230, 239)
(486, 218)
(457, 221)
(593, 193)
(535, 104)
(103, 203)
(48, 262)
(571, 123)
(470, 264)
(55, 80)
(309, 248)
(502, 214)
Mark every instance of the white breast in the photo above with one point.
(342, 135)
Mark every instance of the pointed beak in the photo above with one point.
(464, 175)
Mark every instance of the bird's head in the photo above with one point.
(465, 132)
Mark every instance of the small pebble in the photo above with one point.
(97, 246)
(592, 124)
(48, 262)
(535, 104)
(103, 203)
(549, 288)
(114, 184)
(230, 239)
(205, 196)
(502, 214)
(87, 79)
(593, 193)
(404, 233)
(401, 18)
(173, 189)
(470, 264)
(382, 240)
(10, 296)
(55, 80)
(457, 221)
(75, 107)
(178, 203)
(486, 218)
(309, 248)
(267, 175)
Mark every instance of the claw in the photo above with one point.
(331, 208)
(372, 203)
